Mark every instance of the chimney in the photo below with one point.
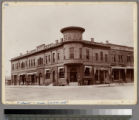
(92, 40)
(107, 42)
(56, 41)
(61, 40)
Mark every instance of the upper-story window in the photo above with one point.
(29, 63)
(12, 66)
(58, 56)
(69, 37)
(101, 56)
(87, 54)
(64, 36)
(33, 62)
(46, 60)
(16, 65)
(106, 58)
(40, 61)
(71, 53)
(26, 63)
(96, 56)
(64, 53)
(53, 57)
(80, 52)
(19, 64)
(128, 58)
(114, 58)
(22, 65)
(119, 58)
(49, 58)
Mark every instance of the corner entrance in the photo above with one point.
(73, 75)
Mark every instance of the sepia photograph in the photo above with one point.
(69, 52)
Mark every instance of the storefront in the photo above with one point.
(102, 75)
(122, 74)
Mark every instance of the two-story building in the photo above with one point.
(73, 60)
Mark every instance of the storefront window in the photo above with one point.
(87, 71)
(61, 72)
(47, 74)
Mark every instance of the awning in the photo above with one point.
(62, 67)
(118, 67)
(22, 73)
(129, 67)
(100, 68)
(90, 67)
(47, 69)
(32, 73)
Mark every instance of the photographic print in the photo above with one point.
(69, 52)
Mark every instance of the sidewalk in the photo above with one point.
(96, 85)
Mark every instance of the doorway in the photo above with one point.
(40, 79)
(53, 76)
(73, 75)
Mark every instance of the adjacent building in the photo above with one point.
(73, 60)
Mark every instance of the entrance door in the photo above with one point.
(73, 75)
(32, 79)
(53, 76)
(40, 79)
(102, 76)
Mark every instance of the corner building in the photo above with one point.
(73, 61)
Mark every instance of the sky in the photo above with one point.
(26, 26)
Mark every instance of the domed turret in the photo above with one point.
(72, 33)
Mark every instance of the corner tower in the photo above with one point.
(72, 33)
